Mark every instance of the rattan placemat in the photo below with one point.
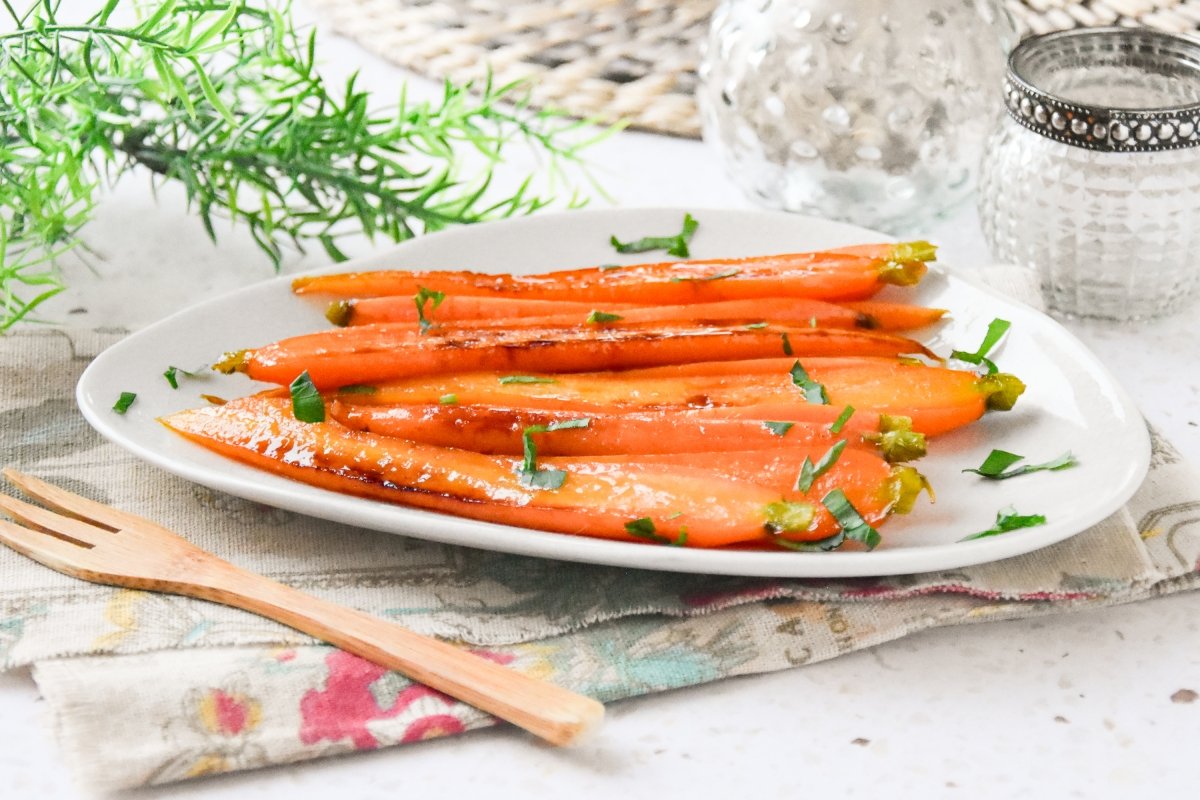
(632, 60)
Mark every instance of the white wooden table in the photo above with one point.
(1074, 705)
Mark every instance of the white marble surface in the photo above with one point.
(1078, 705)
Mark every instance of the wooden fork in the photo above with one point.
(92, 541)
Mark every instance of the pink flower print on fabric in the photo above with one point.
(358, 692)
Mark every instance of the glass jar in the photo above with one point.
(868, 111)
(1093, 176)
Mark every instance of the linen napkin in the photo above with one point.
(220, 690)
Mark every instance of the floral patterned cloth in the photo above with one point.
(222, 690)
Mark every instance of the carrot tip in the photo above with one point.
(902, 273)
(914, 251)
(231, 362)
(788, 517)
(896, 439)
(339, 312)
(905, 486)
(1001, 390)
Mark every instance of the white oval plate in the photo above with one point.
(1072, 403)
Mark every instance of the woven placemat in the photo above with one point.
(632, 60)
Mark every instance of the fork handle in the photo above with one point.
(551, 712)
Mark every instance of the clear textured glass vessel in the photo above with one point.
(1093, 175)
(869, 111)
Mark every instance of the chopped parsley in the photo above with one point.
(853, 525)
(787, 344)
(676, 245)
(842, 419)
(996, 465)
(507, 379)
(600, 317)
(995, 332)
(358, 388)
(778, 428)
(448, 399)
(124, 402)
(754, 326)
(545, 477)
(1007, 519)
(307, 405)
(813, 392)
(172, 375)
(422, 297)
(809, 471)
(643, 528)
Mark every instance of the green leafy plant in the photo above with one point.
(226, 99)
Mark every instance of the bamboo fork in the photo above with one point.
(96, 543)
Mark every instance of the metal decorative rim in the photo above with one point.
(1124, 130)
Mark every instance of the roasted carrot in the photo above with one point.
(598, 498)
(795, 311)
(497, 430)
(874, 488)
(375, 353)
(822, 275)
(935, 398)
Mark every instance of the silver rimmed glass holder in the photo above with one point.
(1092, 177)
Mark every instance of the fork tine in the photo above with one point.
(72, 504)
(55, 553)
(52, 523)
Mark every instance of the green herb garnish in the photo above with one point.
(754, 326)
(643, 528)
(307, 405)
(599, 317)
(1007, 519)
(809, 471)
(996, 330)
(448, 399)
(842, 419)
(227, 100)
(676, 245)
(813, 392)
(853, 525)
(172, 375)
(545, 477)
(778, 428)
(422, 297)
(124, 402)
(787, 344)
(996, 465)
(507, 379)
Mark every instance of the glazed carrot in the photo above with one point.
(801, 311)
(375, 353)
(883, 316)
(498, 430)
(935, 398)
(822, 275)
(402, 308)
(596, 498)
(874, 488)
